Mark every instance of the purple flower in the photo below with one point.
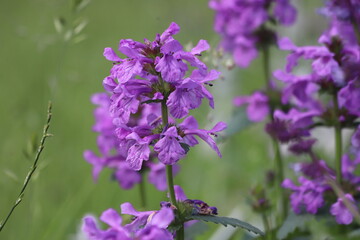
(157, 175)
(348, 167)
(302, 146)
(258, 106)
(240, 22)
(169, 148)
(126, 176)
(341, 212)
(189, 94)
(203, 134)
(309, 194)
(146, 225)
(349, 97)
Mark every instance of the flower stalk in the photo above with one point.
(279, 168)
(338, 139)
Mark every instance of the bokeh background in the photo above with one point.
(38, 62)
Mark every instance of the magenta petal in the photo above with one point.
(110, 55)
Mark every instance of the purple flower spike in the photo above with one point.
(341, 212)
(169, 148)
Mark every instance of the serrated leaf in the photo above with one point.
(227, 221)
(291, 223)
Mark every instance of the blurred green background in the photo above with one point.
(38, 64)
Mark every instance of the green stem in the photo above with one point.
(266, 226)
(142, 192)
(279, 167)
(169, 172)
(338, 139)
(180, 234)
(170, 183)
(33, 167)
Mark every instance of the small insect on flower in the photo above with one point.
(201, 208)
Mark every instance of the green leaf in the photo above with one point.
(237, 123)
(227, 221)
(291, 223)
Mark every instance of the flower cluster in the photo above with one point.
(145, 225)
(111, 154)
(241, 24)
(326, 96)
(154, 78)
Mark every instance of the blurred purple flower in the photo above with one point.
(341, 212)
(257, 106)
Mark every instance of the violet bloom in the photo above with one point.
(257, 106)
(302, 146)
(149, 225)
(341, 212)
(239, 23)
(157, 67)
(157, 175)
(189, 128)
(169, 148)
(349, 97)
(309, 195)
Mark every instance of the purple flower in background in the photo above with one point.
(341, 212)
(240, 24)
(302, 146)
(349, 97)
(257, 106)
(309, 195)
(157, 175)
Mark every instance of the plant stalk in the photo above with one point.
(169, 172)
(33, 167)
(338, 139)
(279, 167)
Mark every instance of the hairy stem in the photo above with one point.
(32, 168)
(279, 168)
(338, 139)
